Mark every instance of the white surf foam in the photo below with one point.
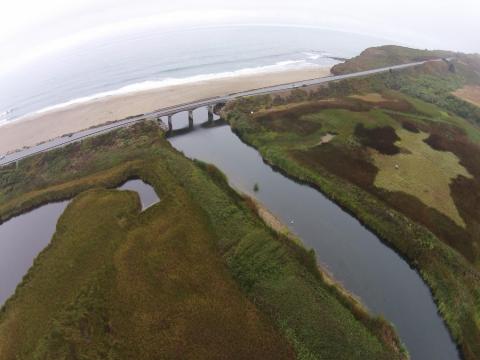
(4, 117)
(315, 55)
(157, 84)
(312, 55)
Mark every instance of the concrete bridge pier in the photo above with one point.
(16, 164)
(210, 113)
(170, 126)
(161, 124)
(190, 119)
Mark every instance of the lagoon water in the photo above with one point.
(146, 193)
(383, 281)
(23, 237)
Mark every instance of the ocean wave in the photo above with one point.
(315, 55)
(158, 84)
(206, 64)
(4, 117)
(5, 113)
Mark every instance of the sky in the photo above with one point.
(30, 29)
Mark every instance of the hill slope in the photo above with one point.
(382, 56)
(452, 83)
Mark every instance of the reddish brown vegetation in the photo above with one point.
(442, 226)
(381, 139)
(355, 166)
(351, 165)
(399, 105)
(409, 126)
(465, 192)
(290, 119)
(285, 123)
(313, 107)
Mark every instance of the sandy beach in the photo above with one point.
(33, 129)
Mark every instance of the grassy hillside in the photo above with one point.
(437, 83)
(196, 276)
(454, 85)
(382, 56)
(407, 168)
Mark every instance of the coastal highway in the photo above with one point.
(68, 139)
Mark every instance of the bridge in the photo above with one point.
(210, 111)
(168, 112)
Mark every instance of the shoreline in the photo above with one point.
(36, 128)
(274, 223)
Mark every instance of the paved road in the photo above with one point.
(62, 141)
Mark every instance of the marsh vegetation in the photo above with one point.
(197, 275)
(404, 160)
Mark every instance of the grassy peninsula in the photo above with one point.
(196, 276)
(399, 150)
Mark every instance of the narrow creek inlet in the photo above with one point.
(23, 237)
(384, 282)
(147, 194)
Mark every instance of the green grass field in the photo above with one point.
(422, 172)
(403, 159)
(382, 56)
(196, 276)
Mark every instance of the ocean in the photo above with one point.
(158, 57)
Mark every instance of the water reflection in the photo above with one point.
(146, 192)
(21, 239)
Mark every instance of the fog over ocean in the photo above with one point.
(157, 58)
